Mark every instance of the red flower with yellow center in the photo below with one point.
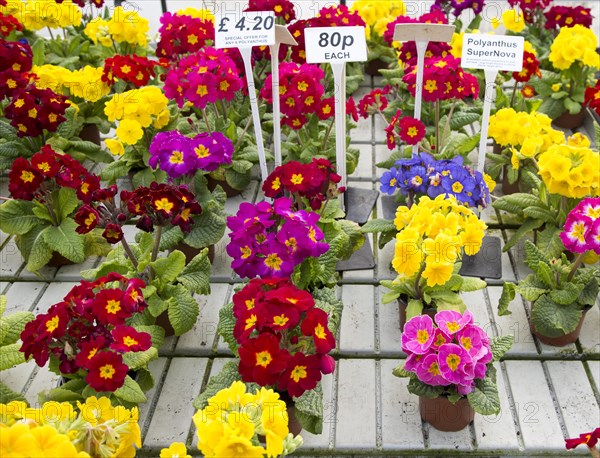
(126, 338)
(302, 374)
(590, 439)
(315, 325)
(108, 306)
(88, 350)
(107, 372)
(261, 360)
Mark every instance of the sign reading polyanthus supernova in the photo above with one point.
(335, 44)
(239, 30)
(493, 52)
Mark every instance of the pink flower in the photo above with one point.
(429, 371)
(594, 237)
(418, 335)
(469, 338)
(413, 361)
(455, 364)
(451, 322)
(439, 339)
(463, 390)
(575, 234)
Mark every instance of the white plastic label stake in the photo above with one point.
(422, 34)
(244, 30)
(339, 80)
(335, 44)
(492, 53)
(282, 36)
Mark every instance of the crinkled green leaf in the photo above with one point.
(16, 217)
(183, 309)
(140, 359)
(7, 395)
(309, 410)
(66, 201)
(507, 296)
(484, 398)
(226, 325)
(12, 325)
(167, 269)
(65, 240)
(11, 356)
(196, 275)
(568, 294)
(130, 392)
(500, 345)
(552, 319)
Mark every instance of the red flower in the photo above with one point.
(261, 360)
(46, 162)
(164, 203)
(294, 178)
(88, 185)
(87, 350)
(592, 97)
(295, 121)
(316, 325)
(282, 8)
(411, 130)
(112, 233)
(133, 69)
(128, 339)
(302, 374)
(8, 24)
(326, 108)
(528, 91)
(86, 219)
(23, 179)
(590, 439)
(351, 109)
(373, 102)
(108, 306)
(246, 323)
(280, 317)
(247, 298)
(291, 296)
(107, 372)
(272, 186)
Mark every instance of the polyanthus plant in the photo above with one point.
(451, 356)
(432, 237)
(93, 427)
(156, 210)
(88, 340)
(229, 423)
(45, 192)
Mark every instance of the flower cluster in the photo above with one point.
(123, 27)
(179, 155)
(450, 352)
(232, 419)
(512, 19)
(132, 69)
(136, 110)
(529, 7)
(377, 15)
(531, 67)
(37, 14)
(204, 77)
(373, 102)
(8, 23)
(433, 17)
(423, 175)
(184, 33)
(269, 240)
(592, 97)
(410, 130)
(15, 62)
(87, 83)
(571, 171)
(590, 439)
(57, 429)
(443, 79)
(574, 44)
(432, 235)
(458, 6)
(87, 331)
(531, 130)
(582, 228)
(284, 338)
(567, 16)
(282, 8)
(156, 205)
(300, 93)
(48, 171)
(316, 181)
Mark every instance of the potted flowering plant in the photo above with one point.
(89, 341)
(235, 419)
(171, 281)
(45, 192)
(59, 429)
(432, 237)
(590, 439)
(292, 331)
(13, 325)
(450, 366)
(561, 291)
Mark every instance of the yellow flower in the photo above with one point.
(129, 131)
(162, 119)
(115, 147)
(513, 21)
(578, 139)
(408, 255)
(203, 14)
(556, 87)
(491, 184)
(574, 44)
(17, 440)
(95, 410)
(527, 46)
(457, 44)
(51, 443)
(175, 450)
(437, 273)
(37, 14)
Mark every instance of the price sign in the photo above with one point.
(335, 44)
(255, 28)
(492, 52)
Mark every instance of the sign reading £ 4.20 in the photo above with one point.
(492, 52)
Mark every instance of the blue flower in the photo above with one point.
(416, 179)
(459, 183)
(389, 181)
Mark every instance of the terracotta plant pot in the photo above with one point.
(372, 67)
(403, 303)
(445, 416)
(90, 133)
(191, 252)
(570, 121)
(229, 191)
(58, 260)
(563, 340)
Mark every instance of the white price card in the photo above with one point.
(335, 44)
(244, 30)
(492, 52)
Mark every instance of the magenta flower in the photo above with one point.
(413, 361)
(439, 339)
(211, 150)
(594, 237)
(451, 322)
(455, 364)
(275, 260)
(429, 371)
(463, 390)
(576, 233)
(589, 207)
(418, 335)
(469, 338)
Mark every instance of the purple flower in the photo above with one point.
(418, 335)
(429, 371)
(172, 153)
(455, 364)
(212, 150)
(451, 322)
(416, 179)
(275, 260)
(460, 184)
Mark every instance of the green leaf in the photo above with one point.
(545, 274)
(10, 356)
(130, 392)
(533, 256)
(140, 359)
(462, 119)
(414, 308)
(40, 253)
(95, 244)
(507, 296)
(552, 107)
(399, 371)
(3, 302)
(66, 201)
(115, 170)
(500, 345)
(226, 325)
(7, 395)
(17, 217)
(597, 134)
(8, 132)
(529, 291)
(484, 398)
(309, 410)
(170, 237)
(379, 225)
(60, 395)
(12, 325)
(472, 284)
(568, 294)
(207, 230)
(589, 294)
(415, 386)
(42, 212)
(549, 242)
(183, 309)
(196, 275)
(156, 332)
(552, 319)
(167, 269)
(216, 383)
(525, 228)
(539, 213)
(65, 240)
